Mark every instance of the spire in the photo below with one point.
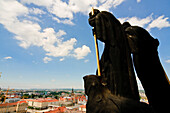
(72, 92)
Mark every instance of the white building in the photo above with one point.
(42, 103)
(12, 100)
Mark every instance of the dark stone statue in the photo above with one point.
(101, 100)
(116, 64)
(148, 67)
(115, 91)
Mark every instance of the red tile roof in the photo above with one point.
(58, 110)
(20, 102)
(83, 106)
(62, 99)
(14, 103)
(8, 104)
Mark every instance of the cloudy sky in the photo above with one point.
(49, 44)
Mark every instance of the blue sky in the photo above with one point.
(49, 44)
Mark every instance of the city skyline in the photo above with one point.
(49, 43)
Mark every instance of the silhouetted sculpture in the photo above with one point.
(100, 99)
(116, 90)
(149, 68)
(116, 65)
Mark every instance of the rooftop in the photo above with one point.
(42, 100)
(11, 104)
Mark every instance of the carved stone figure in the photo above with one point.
(148, 67)
(115, 91)
(116, 65)
(101, 100)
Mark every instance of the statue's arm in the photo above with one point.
(98, 23)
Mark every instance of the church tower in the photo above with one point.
(73, 96)
(72, 92)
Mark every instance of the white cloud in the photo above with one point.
(86, 60)
(62, 49)
(80, 53)
(29, 33)
(36, 11)
(107, 4)
(66, 10)
(9, 11)
(47, 59)
(138, 1)
(65, 21)
(148, 22)
(39, 2)
(25, 30)
(167, 61)
(137, 21)
(61, 9)
(8, 57)
(117, 2)
(160, 23)
(61, 59)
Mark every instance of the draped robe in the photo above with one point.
(116, 65)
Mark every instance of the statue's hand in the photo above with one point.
(92, 17)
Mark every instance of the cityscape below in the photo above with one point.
(46, 100)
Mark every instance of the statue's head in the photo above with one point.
(106, 27)
(91, 82)
(139, 39)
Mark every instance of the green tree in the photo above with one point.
(2, 98)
